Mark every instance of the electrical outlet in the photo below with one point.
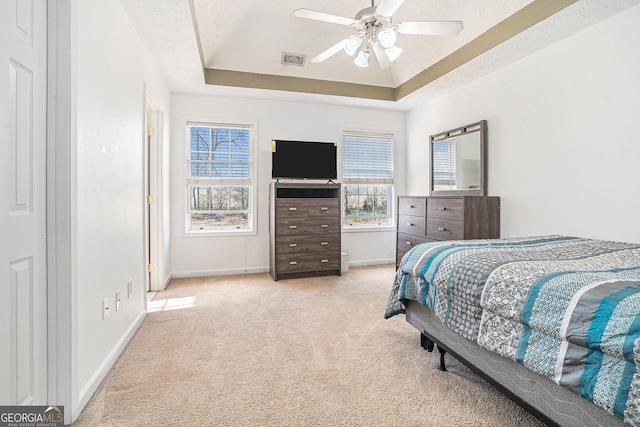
(117, 300)
(105, 308)
(129, 288)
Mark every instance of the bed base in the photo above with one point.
(428, 344)
(550, 403)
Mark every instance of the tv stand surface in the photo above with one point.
(304, 227)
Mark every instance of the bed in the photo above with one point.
(552, 321)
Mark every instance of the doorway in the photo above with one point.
(153, 162)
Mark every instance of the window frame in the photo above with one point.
(250, 182)
(363, 181)
(448, 156)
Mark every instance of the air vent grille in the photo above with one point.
(293, 59)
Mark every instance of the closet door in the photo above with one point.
(23, 287)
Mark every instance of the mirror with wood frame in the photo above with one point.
(458, 161)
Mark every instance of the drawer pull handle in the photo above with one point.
(324, 243)
(409, 243)
(410, 224)
(324, 226)
(324, 260)
(441, 229)
(293, 262)
(293, 226)
(293, 209)
(411, 206)
(293, 245)
(443, 208)
(324, 208)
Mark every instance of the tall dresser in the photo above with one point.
(304, 227)
(433, 218)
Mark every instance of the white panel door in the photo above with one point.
(23, 288)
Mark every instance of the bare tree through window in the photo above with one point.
(219, 181)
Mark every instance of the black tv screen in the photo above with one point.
(303, 160)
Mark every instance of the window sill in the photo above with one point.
(229, 233)
(368, 229)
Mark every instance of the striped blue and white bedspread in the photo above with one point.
(567, 308)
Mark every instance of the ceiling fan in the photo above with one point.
(376, 32)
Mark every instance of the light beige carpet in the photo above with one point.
(248, 351)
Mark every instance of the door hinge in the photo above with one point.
(150, 131)
(150, 199)
(150, 268)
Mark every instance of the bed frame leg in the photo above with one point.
(426, 343)
(442, 353)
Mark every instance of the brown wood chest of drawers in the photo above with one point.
(304, 226)
(435, 218)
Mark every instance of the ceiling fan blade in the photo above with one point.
(435, 28)
(321, 16)
(329, 52)
(387, 8)
(381, 55)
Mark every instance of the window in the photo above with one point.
(444, 164)
(219, 177)
(367, 176)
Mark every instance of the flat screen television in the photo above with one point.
(303, 160)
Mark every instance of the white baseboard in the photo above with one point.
(364, 263)
(258, 270)
(220, 272)
(167, 280)
(96, 379)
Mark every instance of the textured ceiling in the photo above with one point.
(243, 40)
(236, 35)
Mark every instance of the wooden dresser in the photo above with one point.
(304, 227)
(426, 219)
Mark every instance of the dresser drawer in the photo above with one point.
(301, 244)
(446, 217)
(292, 209)
(307, 262)
(293, 226)
(415, 206)
(444, 229)
(406, 242)
(445, 208)
(411, 224)
(324, 207)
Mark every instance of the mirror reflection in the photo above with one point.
(456, 163)
(458, 160)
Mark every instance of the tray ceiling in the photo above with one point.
(234, 47)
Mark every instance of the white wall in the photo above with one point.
(563, 138)
(274, 120)
(112, 74)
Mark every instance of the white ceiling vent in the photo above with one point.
(293, 59)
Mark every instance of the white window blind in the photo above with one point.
(367, 175)
(219, 151)
(444, 160)
(367, 157)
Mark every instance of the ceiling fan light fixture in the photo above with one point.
(393, 52)
(387, 37)
(351, 45)
(376, 31)
(362, 60)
